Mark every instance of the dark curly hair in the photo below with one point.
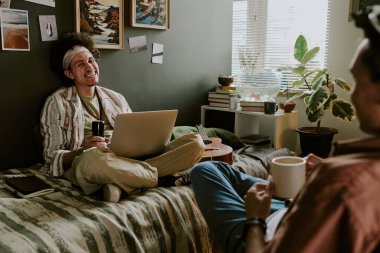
(66, 42)
(371, 57)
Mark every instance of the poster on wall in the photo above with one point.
(103, 20)
(150, 14)
(50, 3)
(48, 27)
(14, 30)
(5, 3)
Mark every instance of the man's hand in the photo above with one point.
(257, 205)
(257, 200)
(95, 141)
(312, 162)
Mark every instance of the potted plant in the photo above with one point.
(288, 106)
(319, 97)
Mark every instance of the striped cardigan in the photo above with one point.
(62, 123)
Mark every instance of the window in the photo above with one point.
(264, 32)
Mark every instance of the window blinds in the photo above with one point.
(264, 33)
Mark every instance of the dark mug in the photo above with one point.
(270, 107)
(98, 128)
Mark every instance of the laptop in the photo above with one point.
(142, 134)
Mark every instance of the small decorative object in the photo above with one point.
(153, 14)
(104, 21)
(287, 106)
(225, 80)
(320, 96)
(263, 86)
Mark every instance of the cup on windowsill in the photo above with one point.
(270, 107)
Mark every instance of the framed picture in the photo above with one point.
(103, 20)
(5, 3)
(154, 14)
(356, 5)
(14, 30)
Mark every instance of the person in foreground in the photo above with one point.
(70, 149)
(338, 208)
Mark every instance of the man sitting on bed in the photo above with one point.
(70, 149)
(338, 208)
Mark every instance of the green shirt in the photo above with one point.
(93, 112)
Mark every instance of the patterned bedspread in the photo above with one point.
(156, 220)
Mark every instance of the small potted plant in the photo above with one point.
(288, 106)
(319, 97)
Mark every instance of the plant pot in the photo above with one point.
(316, 140)
(287, 107)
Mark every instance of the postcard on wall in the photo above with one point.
(50, 3)
(5, 3)
(103, 20)
(157, 53)
(14, 30)
(48, 27)
(137, 44)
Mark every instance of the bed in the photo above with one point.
(154, 220)
(163, 219)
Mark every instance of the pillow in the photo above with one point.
(226, 136)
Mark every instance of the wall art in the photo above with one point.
(103, 20)
(154, 14)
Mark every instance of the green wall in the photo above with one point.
(197, 48)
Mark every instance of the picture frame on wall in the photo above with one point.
(103, 20)
(356, 5)
(5, 3)
(152, 14)
(14, 30)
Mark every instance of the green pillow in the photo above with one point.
(227, 137)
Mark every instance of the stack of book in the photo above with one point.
(222, 96)
(252, 105)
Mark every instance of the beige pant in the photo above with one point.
(94, 167)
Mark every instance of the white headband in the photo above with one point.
(373, 17)
(69, 55)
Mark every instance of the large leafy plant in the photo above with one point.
(320, 94)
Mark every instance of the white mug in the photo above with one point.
(288, 174)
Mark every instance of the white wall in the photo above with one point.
(343, 39)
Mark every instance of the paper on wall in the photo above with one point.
(158, 53)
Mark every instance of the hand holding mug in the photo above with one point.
(257, 200)
(288, 173)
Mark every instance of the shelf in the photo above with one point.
(279, 126)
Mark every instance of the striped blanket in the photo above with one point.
(156, 220)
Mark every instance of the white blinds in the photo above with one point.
(264, 33)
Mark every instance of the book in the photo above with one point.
(230, 87)
(256, 139)
(251, 103)
(27, 186)
(215, 104)
(219, 100)
(214, 94)
(253, 108)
